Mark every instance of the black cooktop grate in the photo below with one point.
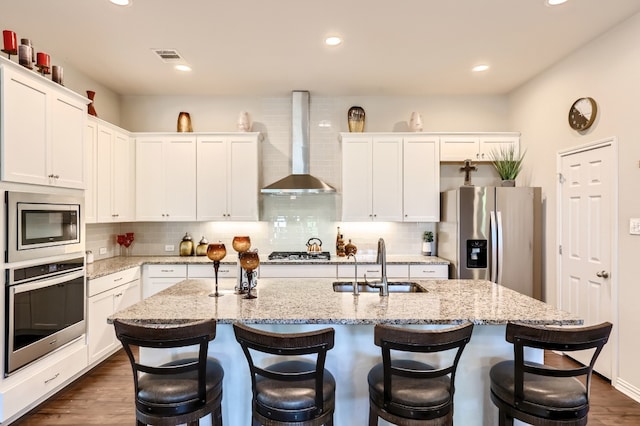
(299, 255)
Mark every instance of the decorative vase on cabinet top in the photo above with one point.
(355, 117)
(244, 122)
(90, 108)
(415, 122)
(184, 122)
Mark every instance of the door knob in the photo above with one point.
(602, 274)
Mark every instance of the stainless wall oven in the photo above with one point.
(45, 309)
(42, 225)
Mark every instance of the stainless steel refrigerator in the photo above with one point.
(493, 233)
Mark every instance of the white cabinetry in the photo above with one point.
(43, 130)
(110, 173)
(166, 177)
(297, 271)
(372, 271)
(107, 295)
(227, 177)
(421, 178)
(206, 271)
(427, 271)
(390, 177)
(475, 147)
(371, 177)
(159, 277)
(90, 169)
(41, 379)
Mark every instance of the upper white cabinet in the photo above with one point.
(475, 147)
(227, 176)
(372, 177)
(110, 173)
(166, 177)
(390, 177)
(421, 178)
(43, 130)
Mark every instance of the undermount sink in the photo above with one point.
(394, 287)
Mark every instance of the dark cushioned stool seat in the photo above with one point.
(296, 391)
(411, 392)
(556, 392)
(299, 395)
(177, 388)
(539, 394)
(180, 391)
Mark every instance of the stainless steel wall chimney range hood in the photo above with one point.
(299, 181)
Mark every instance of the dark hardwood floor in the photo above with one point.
(105, 397)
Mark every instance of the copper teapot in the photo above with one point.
(314, 245)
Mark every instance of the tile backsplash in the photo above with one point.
(286, 225)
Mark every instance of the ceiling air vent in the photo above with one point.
(168, 56)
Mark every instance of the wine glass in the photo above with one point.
(216, 252)
(249, 260)
(240, 244)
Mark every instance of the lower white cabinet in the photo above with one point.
(108, 295)
(297, 271)
(206, 271)
(372, 271)
(29, 387)
(429, 271)
(159, 277)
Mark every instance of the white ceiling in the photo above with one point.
(270, 47)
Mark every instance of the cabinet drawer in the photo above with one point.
(102, 284)
(206, 271)
(297, 271)
(167, 271)
(429, 271)
(31, 385)
(373, 271)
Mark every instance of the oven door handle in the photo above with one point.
(35, 285)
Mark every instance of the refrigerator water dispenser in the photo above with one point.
(476, 253)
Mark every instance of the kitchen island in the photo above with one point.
(286, 305)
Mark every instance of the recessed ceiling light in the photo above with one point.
(480, 68)
(332, 41)
(121, 2)
(555, 2)
(182, 67)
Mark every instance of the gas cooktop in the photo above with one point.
(299, 255)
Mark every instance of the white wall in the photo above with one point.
(608, 70)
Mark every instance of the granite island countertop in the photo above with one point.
(104, 267)
(313, 301)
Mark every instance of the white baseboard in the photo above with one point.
(628, 389)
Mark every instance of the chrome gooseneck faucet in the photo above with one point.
(356, 289)
(383, 284)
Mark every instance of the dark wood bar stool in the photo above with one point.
(183, 390)
(544, 395)
(297, 391)
(410, 392)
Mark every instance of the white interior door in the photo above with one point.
(586, 214)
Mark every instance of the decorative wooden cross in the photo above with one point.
(467, 169)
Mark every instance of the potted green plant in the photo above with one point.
(507, 163)
(427, 243)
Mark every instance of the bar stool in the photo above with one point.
(544, 395)
(180, 391)
(410, 392)
(297, 391)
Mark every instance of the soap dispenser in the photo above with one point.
(186, 245)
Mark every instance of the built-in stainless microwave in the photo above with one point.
(42, 225)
